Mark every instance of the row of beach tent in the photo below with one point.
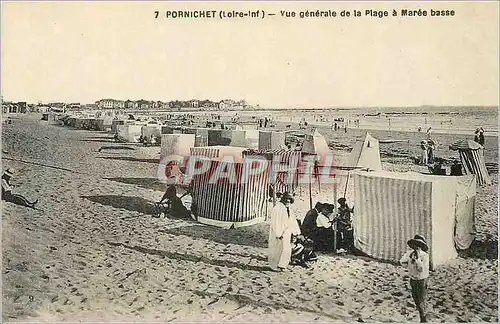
(390, 206)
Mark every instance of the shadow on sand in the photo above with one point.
(110, 140)
(255, 235)
(129, 158)
(192, 258)
(486, 250)
(136, 204)
(243, 301)
(146, 183)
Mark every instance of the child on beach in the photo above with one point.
(417, 262)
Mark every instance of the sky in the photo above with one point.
(82, 52)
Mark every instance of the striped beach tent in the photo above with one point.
(229, 201)
(472, 158)
(391, 207)
(287, 180)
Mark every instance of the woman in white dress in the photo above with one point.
(283, 226)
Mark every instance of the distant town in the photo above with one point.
(114, 104)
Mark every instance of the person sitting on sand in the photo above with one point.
(283, 226)
(317, 226)
(7, 194)
(417, 261)
(177, 208)
(456, 169)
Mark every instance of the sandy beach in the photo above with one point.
(92, 251)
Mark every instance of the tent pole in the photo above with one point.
(319, 182)
(274, 190)
(347, 182)
(334, 225)
(310, 192)
(409, 150)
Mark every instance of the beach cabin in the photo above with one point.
(128, 133)
(115, 123)
(271, 140)
(176, 144)
(201, 135)
(151, 129)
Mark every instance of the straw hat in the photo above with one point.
(418, 241)
(8, 172)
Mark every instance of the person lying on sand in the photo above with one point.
(417, 262)
(7, 194)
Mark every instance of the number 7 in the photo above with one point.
(157, 13)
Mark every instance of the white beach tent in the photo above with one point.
(391, 207)
(315, 143)
(128, 133)
(366, 154)
(176, 144)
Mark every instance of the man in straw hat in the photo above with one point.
(417, 261)
(7, 194)
(283, 226)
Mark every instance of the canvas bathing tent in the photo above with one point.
(128, 133)
(287, 180)
(176, 144)
(366, 154)
(220, 195)
(391, 207)
(201, 135)
(271, 140)
(151, 129)
(472, 158)
(315, 143)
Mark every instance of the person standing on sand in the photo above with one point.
(417, 262)
(481, 137)
(283, 226)
(424, 155)
(476, 135)
(430, 150)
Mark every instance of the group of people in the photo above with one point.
(315, 233)
(288, 243)
(427, 151)
(151, 140)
